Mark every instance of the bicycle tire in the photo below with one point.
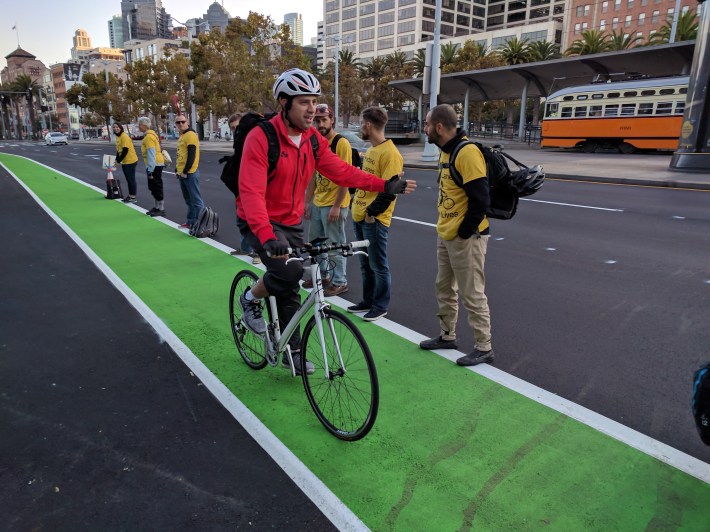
(346, 404)
(249, 344)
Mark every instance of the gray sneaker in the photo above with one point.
(476, 357)
(252, 317)
(297, 364)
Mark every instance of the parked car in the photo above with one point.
(356, 142)
(54, 138)
(75, 135)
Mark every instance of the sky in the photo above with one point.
(46, 28)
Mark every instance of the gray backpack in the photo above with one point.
(207, 224)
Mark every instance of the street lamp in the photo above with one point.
(193, 111)
(337, 39)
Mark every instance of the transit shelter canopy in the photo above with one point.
(546, 77)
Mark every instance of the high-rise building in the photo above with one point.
(295, 22)
(82, 45)
(115, 32)
(144, 19)
(379, 28)
(640, 18)
(216, 16)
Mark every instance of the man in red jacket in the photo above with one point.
(271, 207)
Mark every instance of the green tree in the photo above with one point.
(448, 54)
(28, 87)
(95, 95)
(592, 42)
(620, 41)
(418, 63)
(544, 51)
(686, 30)
(514, 51)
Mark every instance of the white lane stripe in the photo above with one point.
(665, 453)
(414, 221)
(331, 506)
(572, 205)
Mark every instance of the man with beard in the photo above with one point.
(329, 209)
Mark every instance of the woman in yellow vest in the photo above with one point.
(154, 164)
(126, 156)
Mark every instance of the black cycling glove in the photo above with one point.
(395, 185)
(276, 248)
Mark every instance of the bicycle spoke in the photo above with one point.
(249, 345)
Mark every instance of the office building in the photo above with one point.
(144, 19)
(82, 45)
(115, 32)
(295, 22)
(377, 28)
(216, 17)
(632, 17)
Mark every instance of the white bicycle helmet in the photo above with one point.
(296, 82)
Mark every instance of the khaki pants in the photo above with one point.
(460, 272)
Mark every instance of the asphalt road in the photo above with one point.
(86, 442)
(598, 292)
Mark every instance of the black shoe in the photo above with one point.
(297, 364)
(476, 357)
(374, 315)
(155, 212)
(130, 199)
(252, 317)
(360, 307)
(438, 343)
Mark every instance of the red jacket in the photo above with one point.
(283, 200)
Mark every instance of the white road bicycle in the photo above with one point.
(343, 390)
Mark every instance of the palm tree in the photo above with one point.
(349, 84)
(514, 52)
(448, 54)
(544, 51)
(686, 30)
(418, 63)
(621, 41)
(592, 42)
(27, 86)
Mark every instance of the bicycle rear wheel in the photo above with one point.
(249, 344)
(346, 398)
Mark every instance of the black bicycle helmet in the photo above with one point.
(528, 180)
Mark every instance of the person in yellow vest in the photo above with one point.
(188, 159)
(128, 159)
(462, 240)
(329, 210)
(372, 215)
(154, 163)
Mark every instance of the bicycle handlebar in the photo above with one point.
(322, 247)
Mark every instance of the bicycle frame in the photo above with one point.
(315, 299)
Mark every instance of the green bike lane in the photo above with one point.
(451, 449)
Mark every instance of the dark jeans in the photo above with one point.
(155, 184)
(281, 279)
(190, 187)
(129, 171)
(374, 268)
(244, 245)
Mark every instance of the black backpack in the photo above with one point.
(230, 172)
(701, 402)
(504, 198)
(357, 161)
(207, 224)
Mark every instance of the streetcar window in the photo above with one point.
(679, 108)
(648, 92)
(582, 96)
(613, 94)
(568, 98)
(628, 109)
(597, 96)
(664, 108)
(611, 110)
(666, 91)
(595, 110)
(552, 109)
(683, 90)
(566, 112)
(580, 112)
(630, 94)
(646, 108)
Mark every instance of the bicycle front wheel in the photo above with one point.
(249, 344)
(345, 396)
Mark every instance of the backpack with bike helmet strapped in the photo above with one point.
(505, 186)
(230, 171)
(701, 402)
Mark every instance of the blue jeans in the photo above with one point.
(190, 187)
(375, 268)
(244, 244)
(319, 227)
(129, 172)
